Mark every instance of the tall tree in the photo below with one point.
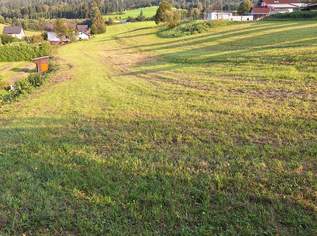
(245, 7)
(163, 12)
(98, 25)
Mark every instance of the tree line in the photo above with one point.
(79, 9)
(71, 9)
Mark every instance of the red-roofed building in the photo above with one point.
(268, 7)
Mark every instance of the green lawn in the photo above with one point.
(210, 134)
(147, 12)
(13, 71)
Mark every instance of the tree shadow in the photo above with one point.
(80, 175)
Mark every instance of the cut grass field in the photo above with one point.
(210, 134)
(13, 71)
(147, 12)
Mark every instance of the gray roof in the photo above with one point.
(83, 29)
(12, 29)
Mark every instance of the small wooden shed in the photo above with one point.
(41, 64)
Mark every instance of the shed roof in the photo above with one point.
(12, 29)
(261, 10)
(281, 1)
(83, 29)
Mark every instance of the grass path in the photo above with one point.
(139, 134)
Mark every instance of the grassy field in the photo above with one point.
(210, 134)
(147, 12)
(13, 71)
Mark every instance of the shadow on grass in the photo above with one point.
(81, 175)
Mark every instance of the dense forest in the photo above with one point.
(34, 9)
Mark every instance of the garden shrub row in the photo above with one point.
(24, 86)
(297, 15)
(190, 28)
(22, 51)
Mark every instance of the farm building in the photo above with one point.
(215, 15)
(14, 31)
(54, 39)
(260, 12)
(269, 7)
(282, 6)
(83, 32)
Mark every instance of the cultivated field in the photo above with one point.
(211, 134)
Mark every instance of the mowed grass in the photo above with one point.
(210, 134)
(147, 12)
(13, 71)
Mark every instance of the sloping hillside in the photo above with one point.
(211, 134)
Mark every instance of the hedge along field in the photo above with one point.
(23, 51)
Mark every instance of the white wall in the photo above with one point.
(227, 16)
(19, 36)
(242, 18)
(82, 36)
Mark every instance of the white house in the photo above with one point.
(83, 32)
(53, 38)
(14, 31)
(227, 16)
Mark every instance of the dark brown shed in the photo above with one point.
(41, 64)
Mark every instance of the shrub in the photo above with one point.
(6, 39)
(34, 39)
(188, 28)
(36, 80)
(23, 51)
(24, 86)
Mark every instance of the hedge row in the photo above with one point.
(298, 15)
(23, 51)
(23, 87)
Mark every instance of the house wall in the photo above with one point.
(242, 18)
(82, 36)
(218, 15)
(227, 16)
(19, 36)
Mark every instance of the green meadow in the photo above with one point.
(147, 12)
(208, 134)
(13, 71)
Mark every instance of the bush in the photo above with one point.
(23, 51)
(39, 38)
(6, 39)
(187, 28)
(36, 80)
(21, 87)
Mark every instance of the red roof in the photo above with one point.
(280, 1)
(261, 10)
